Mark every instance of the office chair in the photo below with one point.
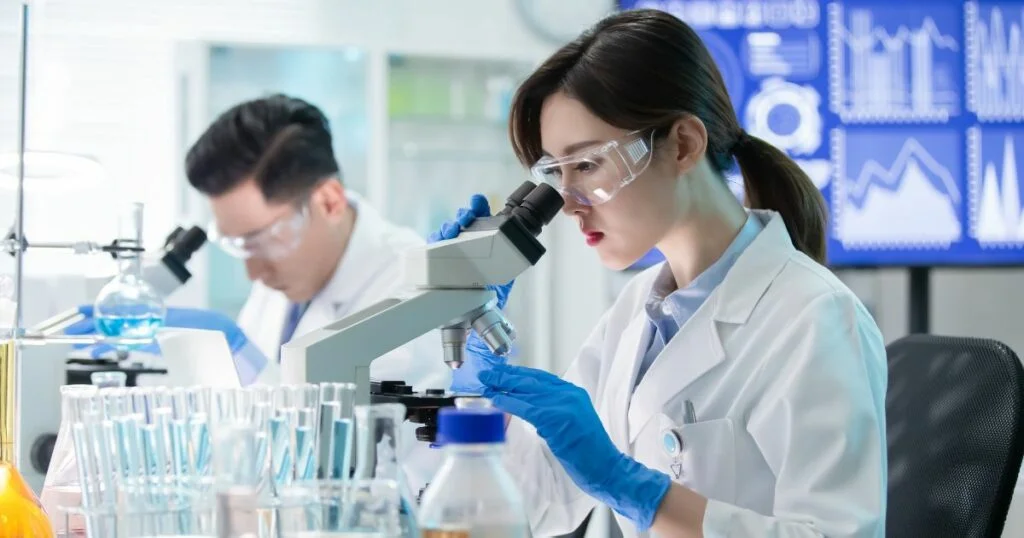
(955, 428)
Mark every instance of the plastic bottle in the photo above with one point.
(61, 486)
(472, 495)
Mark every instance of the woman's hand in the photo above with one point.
(464, 217)
(566, 419)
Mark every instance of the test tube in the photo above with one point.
(131, 445)
(223, 406)
(141, 401)
(297, 396)
(199, 443)
(200, 399)
(261, 394)
(282, 445)
(337, 410)
(305, 444)
(85, 412)
(100, 433)
(114, 401)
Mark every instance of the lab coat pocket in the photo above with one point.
(701, 456)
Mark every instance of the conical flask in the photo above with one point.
(62, 486)
(23, 515)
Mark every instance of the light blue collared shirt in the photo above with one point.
(669, 308)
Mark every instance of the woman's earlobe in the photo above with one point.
(689, 141)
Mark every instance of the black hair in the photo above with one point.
(645, 69)
(281, 142)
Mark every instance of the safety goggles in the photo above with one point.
(595, 175)
(276, 241)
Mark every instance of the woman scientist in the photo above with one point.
(738, 388)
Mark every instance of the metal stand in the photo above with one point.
(919, 300)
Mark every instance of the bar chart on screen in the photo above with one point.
(995, 60)
(894, 64)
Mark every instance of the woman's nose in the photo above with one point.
(572, 205)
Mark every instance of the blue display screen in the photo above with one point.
(909, 116)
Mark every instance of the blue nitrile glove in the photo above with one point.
(249, 360)
(565, 418)
(478, 207)
(477, 356)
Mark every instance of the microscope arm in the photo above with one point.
(450, 280)
(342, 352)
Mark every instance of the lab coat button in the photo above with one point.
(672, 442)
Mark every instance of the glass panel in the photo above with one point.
(448, 139)
(333, 79)
(448, 136)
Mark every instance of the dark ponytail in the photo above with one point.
(643, 69)
(771, 180)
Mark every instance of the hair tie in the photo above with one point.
(742, 141)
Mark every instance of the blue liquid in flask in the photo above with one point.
(144, 326)
(128, 307)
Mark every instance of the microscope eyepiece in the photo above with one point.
(538, 208)
(186, 243)
(516, 198)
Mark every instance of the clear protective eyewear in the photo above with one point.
(276, 241)
(595, 175)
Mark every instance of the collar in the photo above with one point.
(755, 269)
(366, 250)
(665, 289)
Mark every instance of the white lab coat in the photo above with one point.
(370, 270)
(787, 373)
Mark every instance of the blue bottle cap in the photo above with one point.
(472, 425)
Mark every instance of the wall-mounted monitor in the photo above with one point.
(909, 116)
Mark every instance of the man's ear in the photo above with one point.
(329, 198)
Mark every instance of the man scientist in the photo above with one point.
(314, 250)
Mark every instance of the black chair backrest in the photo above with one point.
(955, 428)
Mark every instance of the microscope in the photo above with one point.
(445, 288)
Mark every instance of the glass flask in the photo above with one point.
(376, 500)
(238, 469)
(62, 486)
(127, 306)
(22, 514)
(473, 494)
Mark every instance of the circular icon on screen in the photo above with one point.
(786, 115)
